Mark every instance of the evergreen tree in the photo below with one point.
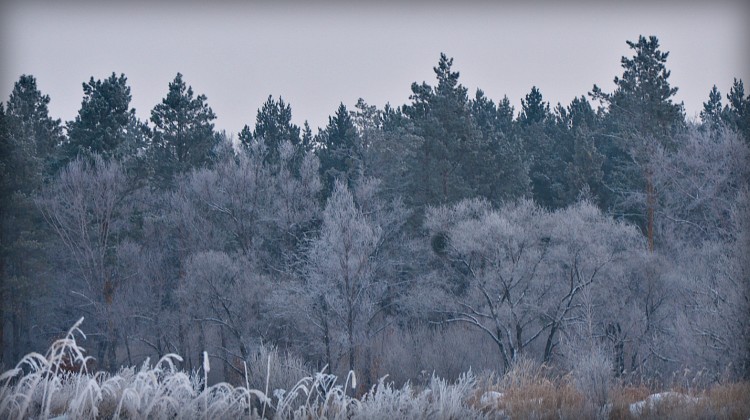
(533, 108)
(5, 190)
(640, 118)
(29, 140)
(583, 171)
(712, 112)
(183, 135)
(105, 124)
(273, 126)
(499, 162)
(340, 153)
(307, 137)
(441, 116)
(34, 134)
(505, 114)
(641, 104)
(738, 111)
(536, 125)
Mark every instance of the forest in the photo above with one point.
(451, 240)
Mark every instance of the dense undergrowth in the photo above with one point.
(47, 386)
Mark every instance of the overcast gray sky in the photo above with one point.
(316, 55)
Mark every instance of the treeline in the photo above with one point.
(450, 232)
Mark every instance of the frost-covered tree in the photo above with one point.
(703, 201)
(251, 210)
(342, 290)
(224, 292)
(340, 272)
(698, 186)
(88, 208)
(518, 273)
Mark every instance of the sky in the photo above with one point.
(316, 55)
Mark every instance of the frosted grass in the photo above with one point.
(45, 387)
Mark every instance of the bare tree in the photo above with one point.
(87, 207)
(220, 291)
(703, 189)
(255, 213)
(517, 273)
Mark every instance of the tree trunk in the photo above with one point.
(350, 331)
(16, 332)
(127, 349)
(2, 311)
(548, 345)
(112, 351)
(650, 204)
(225, 368)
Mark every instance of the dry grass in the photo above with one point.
(36, 388)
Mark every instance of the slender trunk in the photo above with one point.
(2, 310)
(519, 342)
(445, 186)
(549, 344)
(499, 341)
(350, 333)
(225, 368)
(201, 340)
(127, 349)
(650, 204)
(182, 338)
(327, 339)
(112, 353)
(102, 352)
(16, 331)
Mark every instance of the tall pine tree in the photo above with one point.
(273, 126)
(640, 117)
(441, 116)
(737, 112)
(340, 153)
(713, 112)
(183, 135)
(105, 124)
(29, 140)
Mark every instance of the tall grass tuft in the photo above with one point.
(42, 386)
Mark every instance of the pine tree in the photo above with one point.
(711, 115)
(536, 126)
(534, 110)
(499, 163)
(642, 103)
(583, 172)
(34, 135)
(307, 137)
(441, 116)
(105, 124)
(273, 126)
(340, 153)
(29, 139)
(640, 117)
(183, 135)
(737, 113)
